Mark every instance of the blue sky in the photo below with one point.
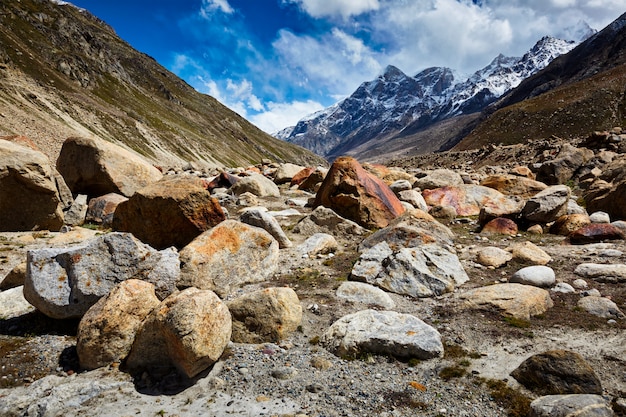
(276, 61)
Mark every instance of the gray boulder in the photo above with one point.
(382, 332)
(547, 205)
(266, 221)
(360, 292)
(602, 272)
(536, 275)
(325, 220)
(601, 307)
(573, 405)
(257, 184)
(422, 271)
(66, 282)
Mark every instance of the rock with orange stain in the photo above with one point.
(228, 256)
(500, 226)
(516, 300)
(267, 315)
(594, 233)
(300, 176)
(170, 212)
(189, 330)
(107, 331)
(357, 195)
(468, 199)
(65, 282)
(514, 185)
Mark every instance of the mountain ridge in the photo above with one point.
(394, 106)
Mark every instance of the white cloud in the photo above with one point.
(335, 8)
(336, 61)
(280, 115)
(211, 6)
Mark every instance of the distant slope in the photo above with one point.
(64, 72)
(578, 92)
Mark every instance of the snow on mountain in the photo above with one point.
(394, 101)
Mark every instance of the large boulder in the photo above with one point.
(469, 199)
(557, 372)
(170, 212)
(101, 209)
(260, 218)
(438, 178)
(358, 195)
(188, 330)
(107, 331)
(510, 184)
(286, 172)
(382, 332)
(66, 282)
(267, 315)
(360, 292)
(423, 271)
(594, 233)
(228, 256)
(561, 169)
(95, 167)
(32, 193)
(516, 300)
(325, 220)
(547, 205)
(257, 184)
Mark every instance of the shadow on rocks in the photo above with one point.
(165, 381)
(38, 324)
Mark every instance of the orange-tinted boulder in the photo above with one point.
(502, 226)
(469, 199)
(595, 232)
(355, 194)
(301, 175)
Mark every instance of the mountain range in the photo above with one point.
(381, 113)
(64, 72)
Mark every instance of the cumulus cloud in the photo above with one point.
(336, 8)
(211, 6)
(280, 115)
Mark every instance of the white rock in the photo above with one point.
(536, 275)
(602, 272)
(360, 292)
(318, 244)
(13, 304)
(601, 307)
(563, 287)
(383, 332)
(600, 217)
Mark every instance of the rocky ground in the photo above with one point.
(40, 374)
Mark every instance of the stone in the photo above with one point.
(313, 180)
(600, 217)
(514, 185)
(595, 232)
(536, 275)
(355, 194)
(557, 372)
(75, 215)
(66, 282)
(318, 244)
(567, 223)
(438, 178)
(414, 198)
(422, 271)
(325, 220)
(170, 212)
(445, 214)
(516, 300)
(228, 256)
(286, 172)
(13, 304)
(247, 199)
(107, 331)
(382, 332)
(222, 181)
(572, 405)
(302, 175)
(400, 185)
(493, 256)
(574, 208)
(266, 221)
(563, 167)
(601, 307)
(535, 229)
(189, 329)
(267, 315)
(469, 199)
(413, 228)
(31, 190)
(15, 278)
(563, 287)
(580, 284)
(500, 226)
(102, 209)
(528, 252)
(257, 184)
(359, 292)
(547, 205)
(95, 167)
(613, 273)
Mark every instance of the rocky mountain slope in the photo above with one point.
(580, 90)
(63, 73)
(395, 106)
